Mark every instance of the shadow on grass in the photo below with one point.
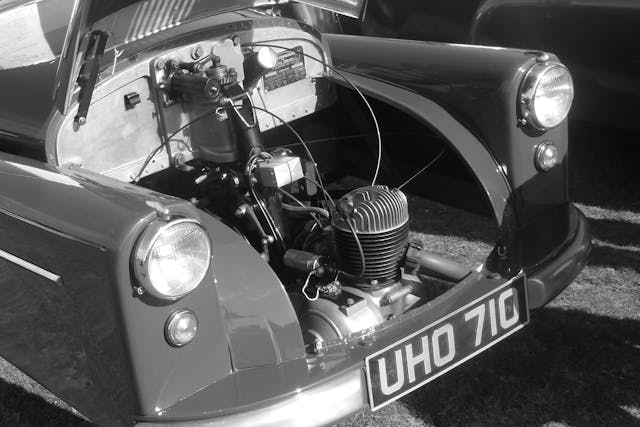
(567, 366)
(441, 220)
(616, 232)
(606, 256)
(18, 407)
(613, 244)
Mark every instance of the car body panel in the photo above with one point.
(341, 369)
(484, 165)
(27, 72)
(331, 363)
(94, 220)
(596, 39)
(440, 72)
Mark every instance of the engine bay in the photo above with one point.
(193, 122)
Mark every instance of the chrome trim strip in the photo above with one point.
(31, 267)
(51, 230)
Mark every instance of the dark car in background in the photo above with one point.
(598, 40)
(202, 216)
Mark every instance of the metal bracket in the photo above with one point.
(89, 73)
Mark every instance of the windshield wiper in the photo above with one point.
(89, 73)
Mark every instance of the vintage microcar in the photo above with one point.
(202, 219)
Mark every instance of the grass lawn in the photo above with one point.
(576, 364)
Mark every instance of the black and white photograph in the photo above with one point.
(350, 213)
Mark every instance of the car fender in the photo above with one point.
(477, 88)
(581, 33)
(87, 336)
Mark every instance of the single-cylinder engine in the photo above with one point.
(371, 232)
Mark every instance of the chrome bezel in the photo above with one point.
(171, 319)
(528, 90)
(538, 156)
(142, 253)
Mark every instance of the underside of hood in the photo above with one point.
(124, 21)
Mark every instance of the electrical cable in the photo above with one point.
(295, 133)
(240, 116)
(326, 193)
(306, 284)
(166, 143)
(250, 165)
(307, 209)
(350, 83)
(261, 204)
(301, 206)
(268, 217)
(342, 138)
(422, 170)
(319, 184)
(353, 231)
(312, 210)
(358, 244)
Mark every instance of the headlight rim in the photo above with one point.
(528, 89)
(142, 252)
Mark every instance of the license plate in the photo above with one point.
(438, 348)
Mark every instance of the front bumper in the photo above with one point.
(323, 404)
(547, 281)
(344, 393)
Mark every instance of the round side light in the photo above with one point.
(181, 327)
(546, 156)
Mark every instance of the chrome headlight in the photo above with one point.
(172, 258)
(546, 95)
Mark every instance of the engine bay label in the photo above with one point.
(290, 69)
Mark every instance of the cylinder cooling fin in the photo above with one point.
(377, 219)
